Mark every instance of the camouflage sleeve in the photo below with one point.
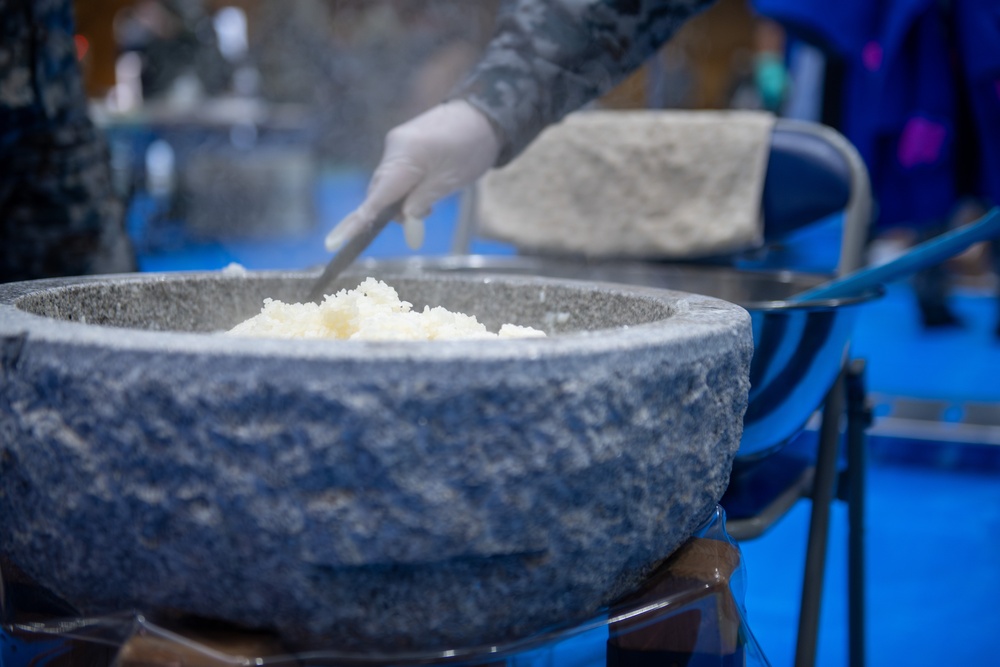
(550, 57)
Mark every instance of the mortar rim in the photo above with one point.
(692, 317)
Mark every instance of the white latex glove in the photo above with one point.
(425, 159)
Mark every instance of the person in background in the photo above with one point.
(915, 86)
(176, 41)
(59, 215)
(545, 60)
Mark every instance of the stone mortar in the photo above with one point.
(390, 496)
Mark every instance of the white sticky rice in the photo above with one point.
(372, 311)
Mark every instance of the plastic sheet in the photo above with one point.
(689, 612)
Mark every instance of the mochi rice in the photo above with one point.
(371, 311)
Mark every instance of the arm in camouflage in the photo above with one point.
(59, 214)
(550, 57)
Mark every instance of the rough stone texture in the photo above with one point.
(656, 177)
(389, 495)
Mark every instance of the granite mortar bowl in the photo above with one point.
(366, 496)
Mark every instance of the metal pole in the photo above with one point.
(858, 420)
(824, 484)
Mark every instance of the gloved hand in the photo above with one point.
(425, 159)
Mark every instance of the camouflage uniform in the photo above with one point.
(550, 57)
(58, 212)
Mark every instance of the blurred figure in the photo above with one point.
(177, 44)
(58, 213)
(763, 79)
(915, 85)
(545, 60)
(770, 73)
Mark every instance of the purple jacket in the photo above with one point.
(909, 66)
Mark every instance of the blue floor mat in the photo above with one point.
(957, 364)
(933, 538)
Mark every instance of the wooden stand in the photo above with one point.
(698, 623)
